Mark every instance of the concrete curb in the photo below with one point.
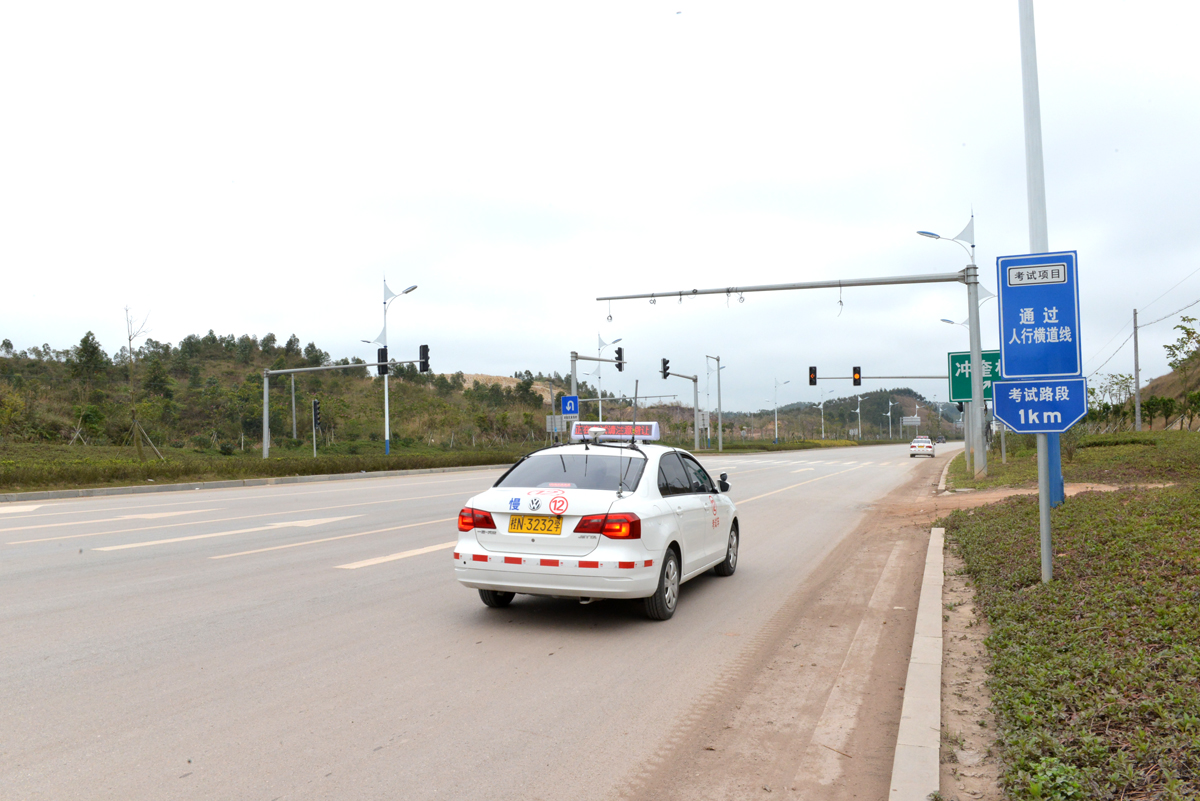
(917, 765)
(97, 492)
(945, 472)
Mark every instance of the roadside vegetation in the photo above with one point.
(1095, 676)
(153, 411)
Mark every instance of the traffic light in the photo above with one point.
(424, 358)
(858, 376)
(382, 358)
(620, 360)
(666, 368)
(316, 413)
(812, 376)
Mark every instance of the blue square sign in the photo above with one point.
(570, 404)
(1039, 315)
(1043, 406)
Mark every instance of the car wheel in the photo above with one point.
(496, 600)
(661, 605)
(727, 567)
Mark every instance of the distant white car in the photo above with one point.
(613, 519)
(921, 446)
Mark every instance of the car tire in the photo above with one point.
(496, 599)
(727, 567)
(661, 605)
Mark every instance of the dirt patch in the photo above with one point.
(970, 769)
(813, 708)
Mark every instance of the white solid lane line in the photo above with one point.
(402, 555)
(804, 469)
(119, 518)
(331, 539)
(58, 507)
(239, 517)
(12, 510)
(268, 527)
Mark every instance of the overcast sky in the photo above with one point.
(256, 168)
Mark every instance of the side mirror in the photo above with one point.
(724, 482)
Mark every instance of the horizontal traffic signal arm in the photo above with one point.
(335, 367)
(865, 377)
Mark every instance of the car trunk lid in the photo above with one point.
(504, 503)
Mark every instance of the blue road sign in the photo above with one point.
(1042, 406)
(570, 404)
(1039, 315)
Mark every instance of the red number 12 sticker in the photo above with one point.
(558, 505)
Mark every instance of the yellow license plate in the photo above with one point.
(534, 524)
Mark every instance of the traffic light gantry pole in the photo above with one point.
(969, 276)
(266, 418)
(575, 357)
(695, 379)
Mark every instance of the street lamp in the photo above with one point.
(707, 401)
(599, 378)
(858, 411)
(778, 384)
(889, 416)
(388, 297)
(821, 405)
(967, 237)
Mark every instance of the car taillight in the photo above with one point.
(622, 526)
(590, 524)
(470, 518)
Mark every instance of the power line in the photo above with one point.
(1172, 314)
(1163, 295)
(1141, 325)
(1115, 352)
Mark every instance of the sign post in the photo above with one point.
(1039, 343)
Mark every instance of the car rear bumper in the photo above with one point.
(568, 577)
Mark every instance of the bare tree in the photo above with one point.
(132, 332)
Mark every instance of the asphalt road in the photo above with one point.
(309, 641)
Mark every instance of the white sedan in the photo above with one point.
(599, 520)
(921, 446)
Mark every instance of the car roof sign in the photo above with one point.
(585, 430)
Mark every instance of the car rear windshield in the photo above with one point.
(577, 471)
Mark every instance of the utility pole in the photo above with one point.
(1137, 379)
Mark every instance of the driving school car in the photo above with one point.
(921, 446)
(611, 516)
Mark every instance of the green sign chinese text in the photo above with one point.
(960, 374)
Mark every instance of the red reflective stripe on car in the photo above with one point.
(512, 560)
(480, 557)
(649, 563)
(456, 554)
(549, 563)
(589, 564)
(626, 565)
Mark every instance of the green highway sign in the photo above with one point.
(960, 374)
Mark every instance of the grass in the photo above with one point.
(1096, 675)
(27, 467)
(1119, 459)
